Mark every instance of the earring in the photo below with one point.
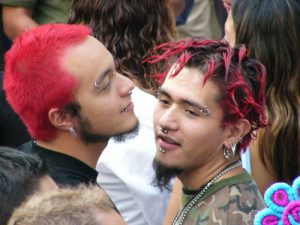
(73, 132)
(229, 153)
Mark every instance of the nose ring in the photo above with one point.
(164, 130)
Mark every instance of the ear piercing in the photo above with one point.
(229, 152)
(97, 84)
(73, 132)
(164, 130)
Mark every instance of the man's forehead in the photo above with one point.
(190, 81)
(90, 54)
(87, 44)
(186, 75)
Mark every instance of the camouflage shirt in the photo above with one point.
(232, 201)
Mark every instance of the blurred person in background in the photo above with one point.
(83, 205)
(21, 176)
(276, 43)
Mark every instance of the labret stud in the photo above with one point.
(162, 150)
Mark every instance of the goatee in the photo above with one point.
(164, 174)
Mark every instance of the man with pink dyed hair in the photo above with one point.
(63, 84)
(210, 104)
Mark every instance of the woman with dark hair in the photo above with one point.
(271, 31)
(129, 29)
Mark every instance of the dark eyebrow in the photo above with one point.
(161, 91)
(194, 104)
(201, 108)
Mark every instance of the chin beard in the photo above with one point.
(164, 174)
(83, 130)
(127, 135)
(92, 138)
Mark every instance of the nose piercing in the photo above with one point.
(162, 150)
(164, 130)
(130, 92)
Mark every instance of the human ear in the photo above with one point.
(237, 131)
(60, 119)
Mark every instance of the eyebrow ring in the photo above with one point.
(97, 84)
(205, 111)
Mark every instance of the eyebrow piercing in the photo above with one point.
(97, 84)
(205, 111)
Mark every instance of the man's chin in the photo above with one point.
(164, 174)
(93, 138)
(132, 133)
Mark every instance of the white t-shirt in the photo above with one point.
(126, 172)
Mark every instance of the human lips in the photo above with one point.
(167, 142)
(128, 108)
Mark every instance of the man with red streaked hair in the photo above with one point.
(210, 104)
(63, 84)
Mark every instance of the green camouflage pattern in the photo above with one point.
(232, 201)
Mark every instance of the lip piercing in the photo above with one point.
(162, 150)
(164, 130)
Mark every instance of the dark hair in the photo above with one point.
(271, 31)
(241, 80)
(19, 178)
(128, 29)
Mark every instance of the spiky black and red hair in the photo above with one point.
(241, 80)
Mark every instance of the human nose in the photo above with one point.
(168, 118)
(126, 85)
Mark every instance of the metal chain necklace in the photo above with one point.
(180, 217)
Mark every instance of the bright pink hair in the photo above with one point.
(241, 80)
(34, 78)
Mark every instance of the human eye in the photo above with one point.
(196, 112)
(163, 100)
(108, 81)
(191, 113)
(106, 85)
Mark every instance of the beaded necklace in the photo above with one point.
(180, 217)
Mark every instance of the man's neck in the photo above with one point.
(87, 153)
(196, 178)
